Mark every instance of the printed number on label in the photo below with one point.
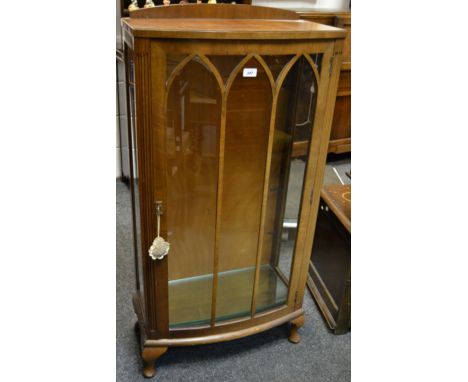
(250, 72)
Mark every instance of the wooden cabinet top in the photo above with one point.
(224, 21)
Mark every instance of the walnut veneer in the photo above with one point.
(231, 108)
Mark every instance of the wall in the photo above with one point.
(305, 4)
(120, 111)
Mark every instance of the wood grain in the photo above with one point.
(228, 335)
(231, 29)
(145, 185)
(207, 150)
(338, 198)
(218, 11)
(229, 48)
(155, 138)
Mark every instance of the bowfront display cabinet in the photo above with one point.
(230, 114)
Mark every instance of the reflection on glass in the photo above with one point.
(246, 140)
(293, 130)
(135, 188)
(277, 63)
(172, 60)
(317, 59)
(192, 144)
(192, 134)
(225, 64)
(133, 165)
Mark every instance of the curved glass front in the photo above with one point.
(233, 196)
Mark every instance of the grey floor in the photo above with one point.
(269, 356)
(342, 166)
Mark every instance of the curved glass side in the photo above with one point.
(293, 130)
(133, 168)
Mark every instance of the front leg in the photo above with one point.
(150, 355)
(294, 336)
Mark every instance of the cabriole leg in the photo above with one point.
(294, 336)
(150, 355)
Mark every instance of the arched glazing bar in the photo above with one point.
(202, 59)
(242, 64)
(248, 149)
(314, 67)
(243, 152)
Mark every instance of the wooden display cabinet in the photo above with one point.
(231, 108)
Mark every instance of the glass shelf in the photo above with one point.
(234, 296)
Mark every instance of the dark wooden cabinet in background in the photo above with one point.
(330, 263)
(340, 136)
(231, 108)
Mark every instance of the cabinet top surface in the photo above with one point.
(225, 21)
(338, 198)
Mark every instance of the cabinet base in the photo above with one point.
(152, 349)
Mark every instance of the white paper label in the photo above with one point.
(250, 72)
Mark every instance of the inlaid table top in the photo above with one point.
(338, 199)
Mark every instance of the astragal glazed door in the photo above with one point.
(237, 136)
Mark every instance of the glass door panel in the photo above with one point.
(245, 149)
(225, 64)
(277, 63)
(293, 127)
(192, 135)
(192, 149)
